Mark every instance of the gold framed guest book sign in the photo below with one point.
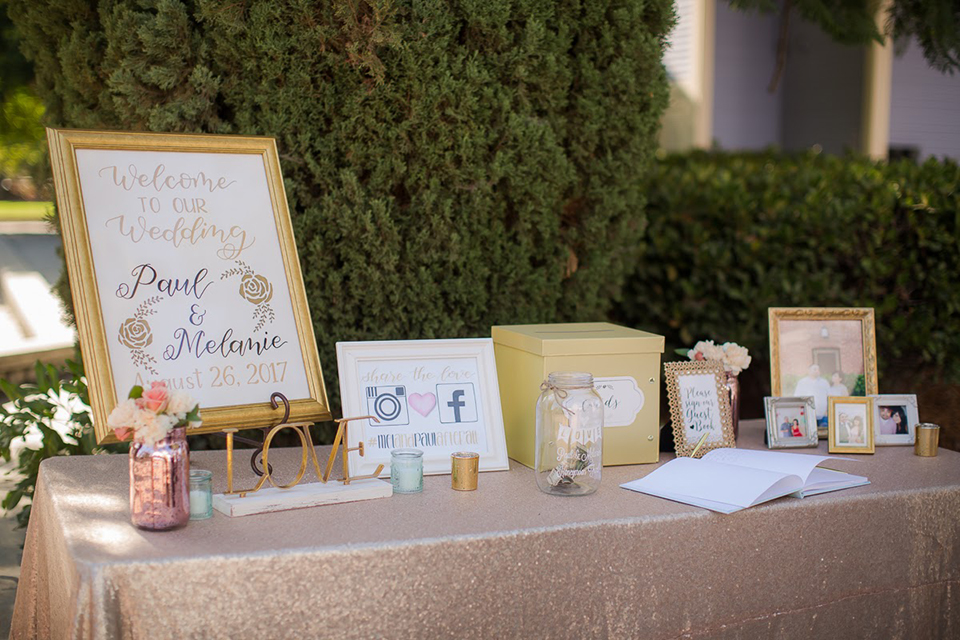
(183, 268)
(699, 407)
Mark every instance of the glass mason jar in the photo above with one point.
(159, 482)
(569, 435)
(406, 470)
(201, 494)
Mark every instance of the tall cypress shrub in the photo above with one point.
(449, 165)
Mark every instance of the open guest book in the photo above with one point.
(728, 480)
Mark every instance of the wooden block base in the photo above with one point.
(301, 496)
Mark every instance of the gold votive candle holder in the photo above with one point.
(928, 439)
(464, 469)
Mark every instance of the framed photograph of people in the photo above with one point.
(791, 422)
(895, 418)
(822, 353)
(851, 424)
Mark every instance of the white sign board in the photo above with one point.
(440, 396)
(183, 269)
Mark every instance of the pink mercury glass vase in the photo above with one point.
(160, 482)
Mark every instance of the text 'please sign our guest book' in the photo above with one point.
(728, 480)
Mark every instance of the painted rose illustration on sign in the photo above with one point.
(255, 289)
(135, 334)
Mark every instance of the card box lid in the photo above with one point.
(578, 338)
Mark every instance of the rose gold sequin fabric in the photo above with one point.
(506, 561)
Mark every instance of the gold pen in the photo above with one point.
(699, 444)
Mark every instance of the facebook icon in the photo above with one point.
(457, 403)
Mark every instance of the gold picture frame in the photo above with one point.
(865, 316)
(241, 401)
(803, 337)
(712, 406)
(846, 436)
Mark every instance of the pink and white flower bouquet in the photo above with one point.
(733, 357)
(149, 415)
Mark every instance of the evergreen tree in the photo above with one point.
(449, 165)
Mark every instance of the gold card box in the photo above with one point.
(625, 364)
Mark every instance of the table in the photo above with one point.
(505, 561)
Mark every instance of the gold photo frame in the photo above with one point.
(183, 267)
(699, 403)
(851, 425)
(822, 352)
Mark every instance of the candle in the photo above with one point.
(406, 470)
(199, 504)
(201, 498)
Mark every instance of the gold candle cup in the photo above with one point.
(928, 439)
(464, 468)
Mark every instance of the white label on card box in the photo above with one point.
(622, 400)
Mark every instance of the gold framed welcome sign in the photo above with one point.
(183, 268)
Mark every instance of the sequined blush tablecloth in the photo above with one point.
(506, 561)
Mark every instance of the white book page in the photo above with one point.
(797, 464)
(824, 480)
(689, 479)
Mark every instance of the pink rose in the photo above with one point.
(698, 356)
(155, 398)
(123, 433)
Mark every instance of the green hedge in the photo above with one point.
(449, 165)
(732, 234)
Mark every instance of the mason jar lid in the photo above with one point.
(570, 379)
(406, 454)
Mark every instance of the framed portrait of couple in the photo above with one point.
(823, 353)
(851, 425)
(791, 422)
(895, 419)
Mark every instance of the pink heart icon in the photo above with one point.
(423, 404)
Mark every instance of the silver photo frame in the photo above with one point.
(891, 410)
(791, 422)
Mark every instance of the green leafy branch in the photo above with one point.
(35, 409)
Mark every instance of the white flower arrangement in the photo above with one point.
(734, 357)
(150, 415)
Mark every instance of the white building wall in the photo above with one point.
(683, 49)
(745, 115)
(924, 107)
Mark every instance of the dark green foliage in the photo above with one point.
(731, 235)
(449, 165)
(16, 71)
(934, 23)
(21, 136)
(936, 26)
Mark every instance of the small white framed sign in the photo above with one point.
(440, 396)
(895, 419)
